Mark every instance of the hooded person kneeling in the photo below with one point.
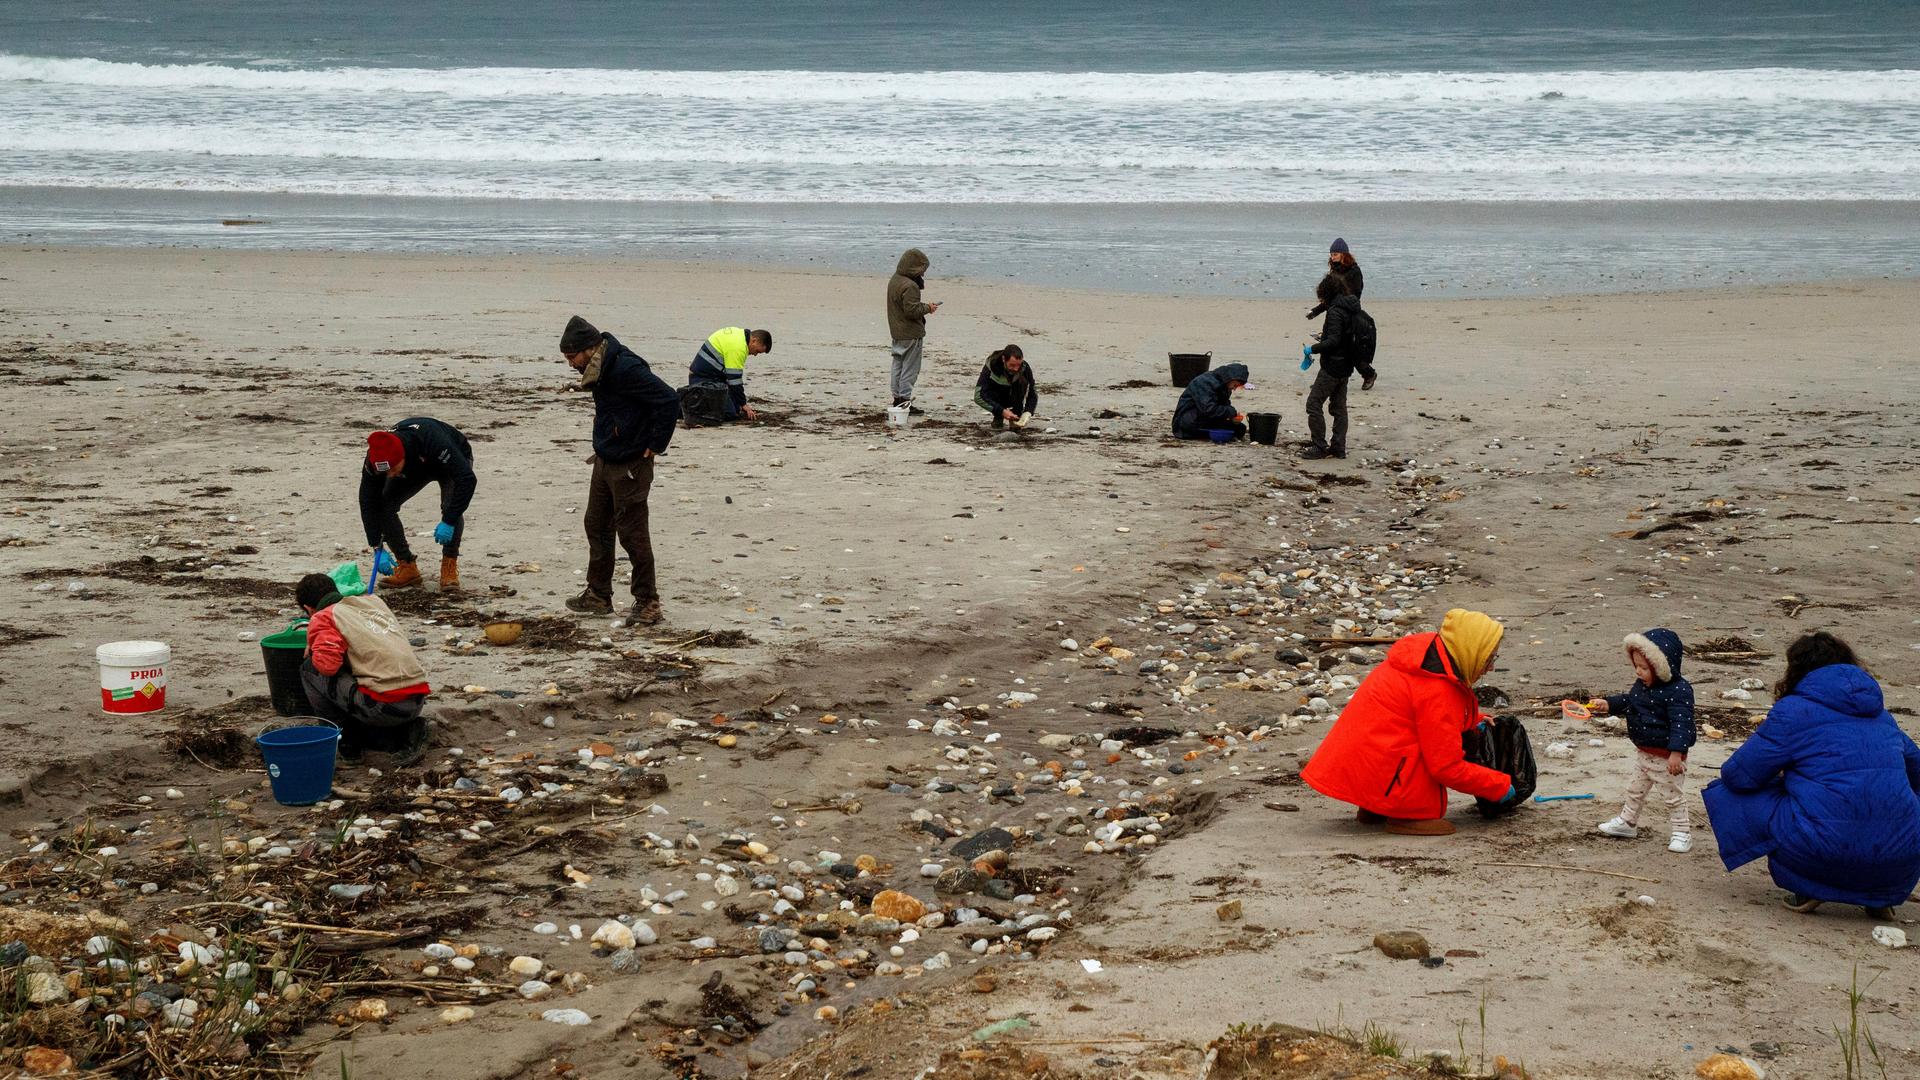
(361, 674)
(1397, 748)
(1207, 403)
(1006, 389)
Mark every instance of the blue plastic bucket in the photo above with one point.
(299, 762)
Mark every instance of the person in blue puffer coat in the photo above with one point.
(1658, 709)
(1828, 788)
(1207, 403)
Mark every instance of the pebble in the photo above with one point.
(569, 1017)
(1069, 645)
(1402, 944)
(535, 990)
(457, 1014)
(1891, 936)
(525, 966)
(614, 936)
(179, 1014)
(545, 928)
(370, 1011)
(348, 892)
(439, 951)
(624, 961)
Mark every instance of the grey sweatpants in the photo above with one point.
(906, 367)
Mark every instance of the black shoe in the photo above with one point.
(1315, 453)
(915, 410)
(1338, 452)
(999, 422)
(1367, 383)
(1801, 904)
(1884, 914)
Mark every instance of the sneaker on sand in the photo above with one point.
(1681, 843)
(591, 603)
(647, 614)
(1802, 904)
(1315, 453)
(1618, 827)
(1430, 827)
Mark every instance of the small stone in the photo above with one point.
(727, 742)
(614, 936)
(624, 961)
(1891, 936)
(525, 966)
(1069, 645)
(893, 904)
(46, 1061)
(439, 951)
(13, 953)
(179, 1014)
(535, 990)
(46, 988)
(1228, 912)
(985, 983)
(1736, 694)
(568, 1017)
(958, 881)
(982, 842)
(644, 934)
(457, 1014)
(726, 886)
(1729, 1067)
(348, 892)
(937, 962)
(370, 1011)
(1402, 944)
(826, 1014)
(545, 928)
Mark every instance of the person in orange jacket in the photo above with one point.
(1396, 748)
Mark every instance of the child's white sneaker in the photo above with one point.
(1617, 826)
(1681, 843)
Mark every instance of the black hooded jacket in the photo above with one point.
(436, 453)
(633, 410)
(1356, 284)
(998, 390)
(1337, 349)
(1207, 402)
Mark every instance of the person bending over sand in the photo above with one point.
(1396, 748)
(360, 673)
(1207, 403)
(1006, 388)
(716, 390)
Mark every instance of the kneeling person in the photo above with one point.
(1006, 388)
(1207, 403)
(716, 390)
(361, 673)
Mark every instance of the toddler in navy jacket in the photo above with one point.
(1658, 710)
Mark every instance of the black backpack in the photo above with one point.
(1362, 336)
(1503, 747)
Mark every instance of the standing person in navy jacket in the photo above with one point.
(634, 414)
(1828, 788)
(1658, 709)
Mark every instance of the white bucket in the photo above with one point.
(133, 675)
(900, 416)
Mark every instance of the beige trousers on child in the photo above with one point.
(1650, 774)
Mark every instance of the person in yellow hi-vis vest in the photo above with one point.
(716, 392)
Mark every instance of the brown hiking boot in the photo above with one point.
(405, 574)
(647, 614)
(591, 603)
(449, 573)
(1430, 827)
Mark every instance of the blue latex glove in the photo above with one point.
(1508, 797)
(443, 533)
(382, 562)
(1306, 357)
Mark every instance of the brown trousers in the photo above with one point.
(617, 508)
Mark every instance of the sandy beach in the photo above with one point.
(181, 441)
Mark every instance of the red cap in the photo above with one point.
(385, 452)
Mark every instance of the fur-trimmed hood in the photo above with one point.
(1661, 647)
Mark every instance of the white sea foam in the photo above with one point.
(1763, 85)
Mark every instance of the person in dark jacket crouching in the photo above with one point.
(360, 672)
(1207, 403)
(1339, 353)
(1006, 388)
(1827, 788)
(634, 414)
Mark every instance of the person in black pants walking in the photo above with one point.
(1338, 357)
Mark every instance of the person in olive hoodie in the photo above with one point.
(634, 414)
(907, 322)
(1207, 403)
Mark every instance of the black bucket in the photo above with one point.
(1187, 365)
(283, 652)
(1263, 427)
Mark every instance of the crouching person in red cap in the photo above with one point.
(400, 462)
(360, 672)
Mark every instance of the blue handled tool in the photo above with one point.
(1306, 357)
(382, 564)
(1560, 798)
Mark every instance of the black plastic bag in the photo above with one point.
(1503, 747)
(704, 404)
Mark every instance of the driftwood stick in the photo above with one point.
(1575, 869)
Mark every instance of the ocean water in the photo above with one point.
(1270, 108)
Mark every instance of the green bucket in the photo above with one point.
(283, 652)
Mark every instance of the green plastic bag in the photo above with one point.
(346, 578)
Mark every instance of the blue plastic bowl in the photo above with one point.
(1219, 436)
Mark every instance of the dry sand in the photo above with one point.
(205, 411)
